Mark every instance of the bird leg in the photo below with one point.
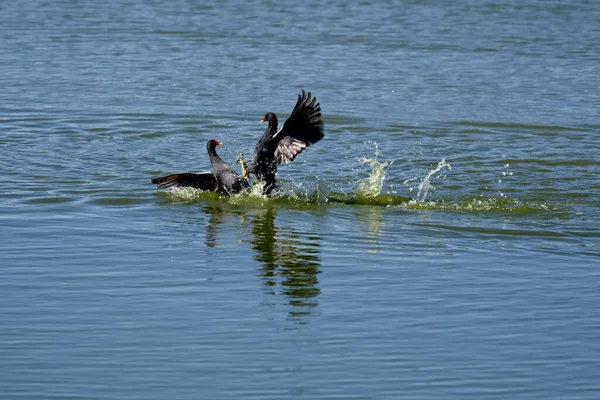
(244, 172)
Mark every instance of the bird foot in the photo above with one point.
(240, 159)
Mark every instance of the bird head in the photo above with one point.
(269, 117)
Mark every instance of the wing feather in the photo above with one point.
(203, 181)
(303, 128)
(287, 149)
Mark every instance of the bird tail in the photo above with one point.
(203, 181)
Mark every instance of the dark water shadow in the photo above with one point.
(289, 259)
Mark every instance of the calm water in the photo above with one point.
(442, 241)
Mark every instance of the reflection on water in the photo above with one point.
(218, 214)
(290, 259)
(371, 218)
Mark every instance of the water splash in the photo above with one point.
(367, 193)
(186, 193)
(482, 204)
(313, 199)
(425, 184)
(372, 185)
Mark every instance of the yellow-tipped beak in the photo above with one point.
(262, 120)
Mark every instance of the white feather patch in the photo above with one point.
(287, 149)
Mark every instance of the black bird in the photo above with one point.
(222, 179)
(303, 128)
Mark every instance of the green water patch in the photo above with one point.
(368, 192)
(304, 200)
(382, 200)
(289, 198)
(480, 204)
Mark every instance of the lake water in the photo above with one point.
(441, 242)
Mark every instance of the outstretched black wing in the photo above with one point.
(303, 128)
(203, 181)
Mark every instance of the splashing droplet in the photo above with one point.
(372, 185)
(425, 184)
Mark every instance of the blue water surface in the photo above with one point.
(441, 241)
